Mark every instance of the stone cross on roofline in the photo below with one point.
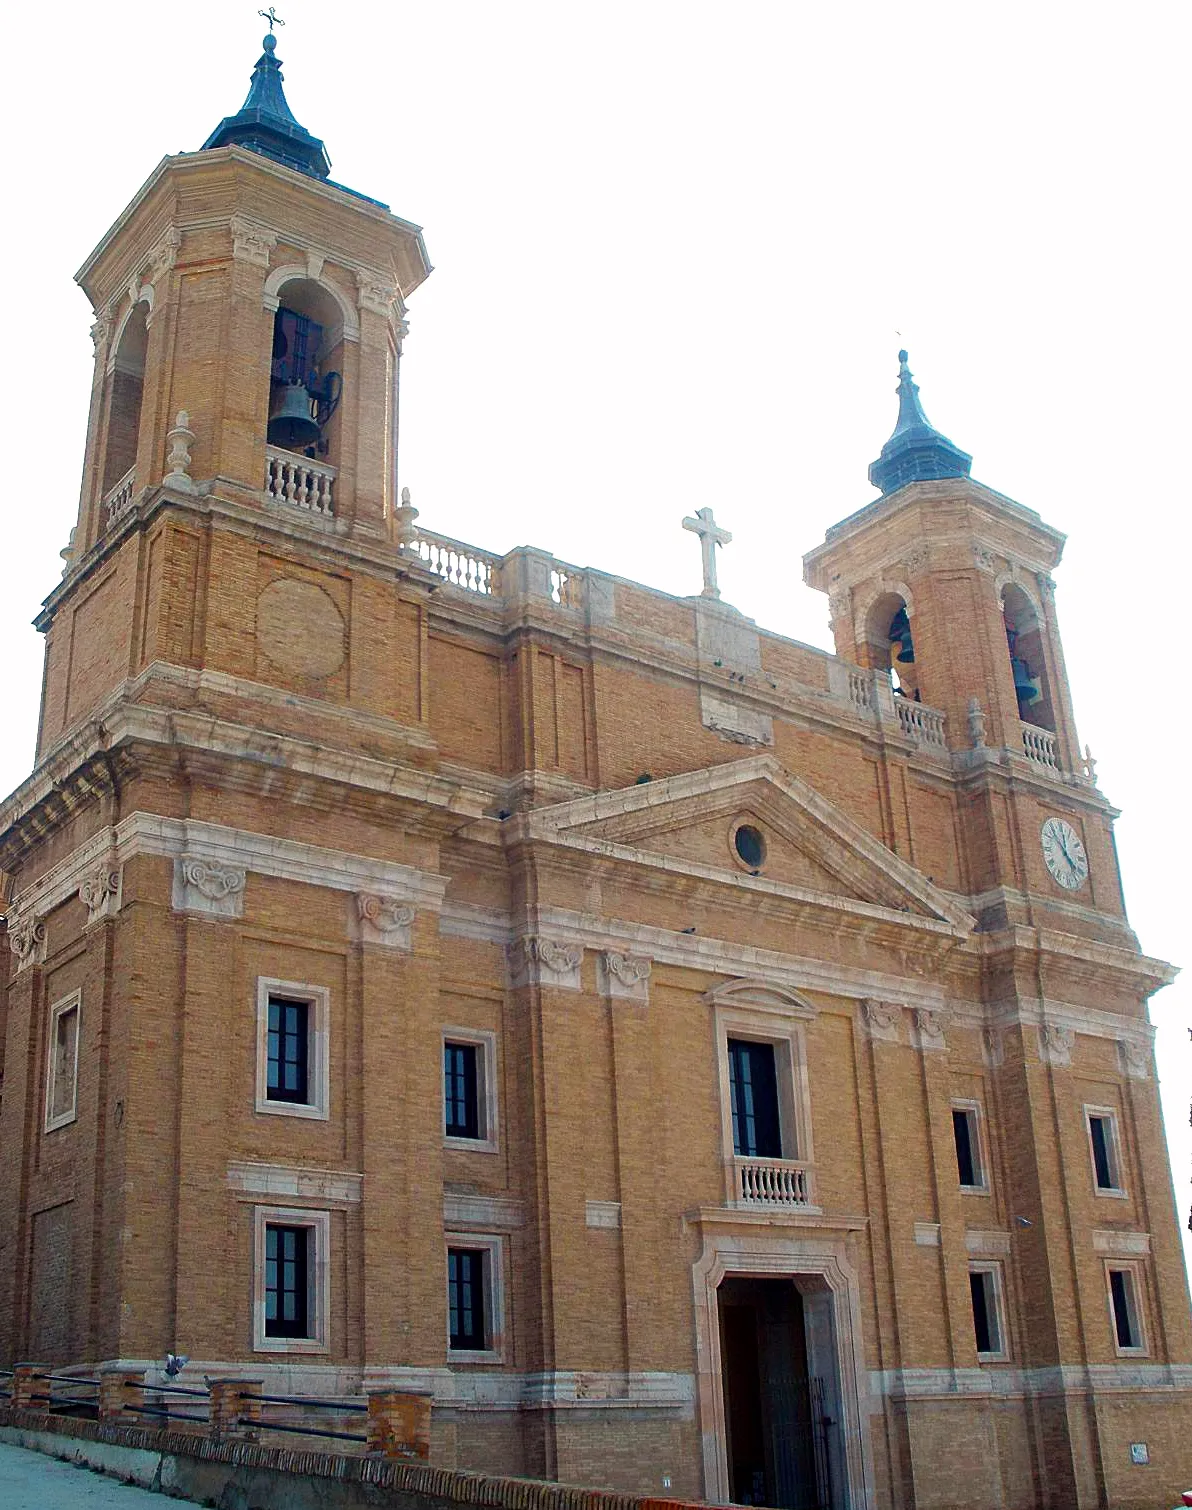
(710, 536)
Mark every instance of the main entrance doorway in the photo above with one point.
(778, 1414)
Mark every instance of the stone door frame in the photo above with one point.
(801, 1256)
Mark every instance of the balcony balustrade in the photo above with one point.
(300, 482)
(772, 1182)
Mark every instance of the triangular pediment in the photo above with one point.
(813, 850)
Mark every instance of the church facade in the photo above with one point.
(711, 1066)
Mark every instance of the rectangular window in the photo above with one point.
(466, 1298)
(287, 1309)
(62, 1063)
(291, 1274)
(1103, 1149)
(966, 1134)
(753, 1088)
(985, 1292)
(1123, 1300)
(293, 1078)
(288, 1050)
(460, 1086)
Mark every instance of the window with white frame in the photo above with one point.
(292, 1049)
(475, 1298)
(290, 1279)
(968, 1139)
(62, 1062)
(1104, 1150)
(1124, 1285)
(989, 1324)
(765, 1105)
(470, 1112)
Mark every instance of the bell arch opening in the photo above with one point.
(889, 643)
(126, 389)
(1024, 645)
(305, 372)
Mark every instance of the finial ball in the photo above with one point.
(269, 42)
(902, 356)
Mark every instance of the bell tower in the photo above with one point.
(947, 585)
(249, 320)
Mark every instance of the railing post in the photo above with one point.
(120, 1389)
(234, 1407)
(29, 1379)
(398, 1424)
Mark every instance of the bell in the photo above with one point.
(900, 630)
(291, 419)
(1024, 688)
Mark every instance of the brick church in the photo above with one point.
(711, 1066)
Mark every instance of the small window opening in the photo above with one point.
(305, 385)
(461, 1091)
(1024, 643)
(986, 1325)
(287, 1291)
(125, 392)
(288, 1077)
(750, 846)
(1103, 1145)
(968, 1148)
(890, 644)
(753, 1088)
(1125, 1309)
(467, 1299)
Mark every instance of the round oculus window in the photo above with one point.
(750, 847)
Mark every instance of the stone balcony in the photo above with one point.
(778, 1183)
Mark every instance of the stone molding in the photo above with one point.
(336, 1186)
(376, 292)
(208, 887)
(881, 1020)
(100, 892)
(164, 255)
(538, 961)
(927, 1234)
(1056, 1042)
(387, 921)
(1122, 1244)
(623, 977)
(990, 1244)
(602, 1214)
(493, 1213)
(251, 241)
(1074, 1378)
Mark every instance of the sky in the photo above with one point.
(676, 249)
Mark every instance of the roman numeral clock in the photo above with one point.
(1064, 854)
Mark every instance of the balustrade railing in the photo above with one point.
(860, 690)
(565, 588)
(1039, 745)
(119, 500)
(921, 723)
(461, 565)
(300, 482)
(773, 1182)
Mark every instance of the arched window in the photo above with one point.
(127, 386)
(304, 376)
(1024, 644)
(890, 644)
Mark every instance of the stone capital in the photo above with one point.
(882, 1020)
(207, 887)
(99, 892)
(377, 293)
(930, 1023)
(251, 242)
(544, 962)
(26, 938)
(387, 921)
(624, 976)
(1056, 1043)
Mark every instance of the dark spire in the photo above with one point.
(915, 452)
(266, 124)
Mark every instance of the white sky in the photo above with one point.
(673, 246)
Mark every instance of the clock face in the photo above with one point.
(1065, 854)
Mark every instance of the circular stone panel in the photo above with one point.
(300, 629)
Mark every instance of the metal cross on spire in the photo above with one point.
(272, 17)
(710, 536)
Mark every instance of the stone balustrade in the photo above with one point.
(860, 689)
(772, 1182)
(462, 565)
(919, 722)
(1039, 746)
(119, 500)
(300, 482)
